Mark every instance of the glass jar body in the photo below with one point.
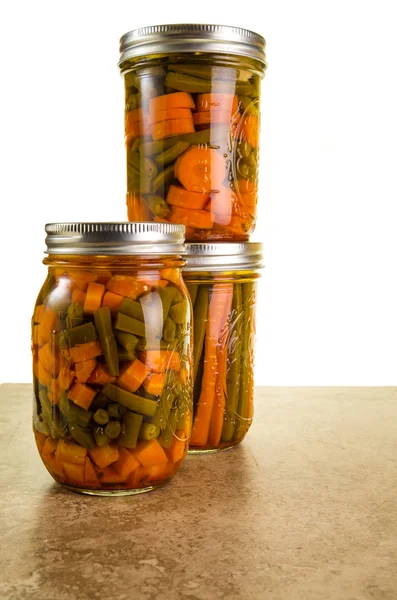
(112, 372)
(192, 141)
(224, 306)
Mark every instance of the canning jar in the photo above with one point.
(221, 279)
(192, 119)
(111, 356)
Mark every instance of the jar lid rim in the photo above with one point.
(114, 238)
(224, 255)
(192, 37)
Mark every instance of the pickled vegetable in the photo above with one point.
(192, 138)
(111, 372)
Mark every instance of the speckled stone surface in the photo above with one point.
(305, 509)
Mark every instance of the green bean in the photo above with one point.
(167, 295)
(154, 344)
(163, 409)
(158, 206)
(75, 415)
(200, 324)
(192, 289)
(233, 378)
(244, 88)
(103, 324)
(40, 424)
(248, 105)
(169, 330)
(75, 315)
(113, 429)
(131, 80)
(77, 335)
(243, 421)
(210, 136)
(244, 149)
(133, 101)
(131, 401)
(152, 148)
(177, 296)
(170, 155)
(167, 435)
(130, 430)
(130, 325)
(194, 85)
(126, 355)
(205, 71)
(198, 381)
(163, 178)
(137, 184)
(132, 309)
(178, 312)
(148, 431)
(82, 436)
(101, 438)
(113, 410)
(101, 416)
(100, 401)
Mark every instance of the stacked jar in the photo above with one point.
(192, 99)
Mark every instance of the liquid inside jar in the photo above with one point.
(192, 141)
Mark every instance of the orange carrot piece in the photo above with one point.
(112, 301)
(206, 117)
(46, 358)
(221, 205)
(71, 452)
(178, 447)
(134, 116)
(35, 335)
(217, 102)
(199, 219)
(137, 208)
(81, 279)
(83, 351)
(74, 473)
(109, 476)
(42, 375)
(178, 196)
(150, 453)
(205, 404)
(90, 476)
(173, 275)
(65, 378)
(167, 101)
(78, 296)
(154, 384)
(38, 312)
(53, 391)
(200, 169)
(49, 324)
(104, 276)
(218, 411)
(103, 457)
(93, 299)
(246, 185)
(84, 369)
(82, 395)
(100, 376)
(168, 114)
(133, 376)
(125, 464)
(159, 473)
(165, 129)
(160, 360)
(131, 287)
(40, 439)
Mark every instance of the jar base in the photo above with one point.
(213, 450)
(107, 493)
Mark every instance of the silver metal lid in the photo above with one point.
(237, 256)
(115, 238)
(185, 37)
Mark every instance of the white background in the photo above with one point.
(327, 299)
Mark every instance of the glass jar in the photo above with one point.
(192, 119)
(221, 279)
(111, 357)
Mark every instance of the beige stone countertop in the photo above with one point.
(305, 509)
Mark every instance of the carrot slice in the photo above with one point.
(137, 208)
(81, 279)
(82, 395)
(65, 378)
(217, 102)
(160, 360)
(250, 130)
(173, 275)
(83, 351)
(112, 301)
(42, 375)
(218, 411)
(178, 196)
(84, 369)
(214, 116)
(100, 376)
(103, 457)
(71, 452)
(175, 100)
(200, 169)
(169, 113)
(178, 447)
(49, 324)
(199, 219)
(202, 421)
(246, 185)
(150, 453)
(133, 376)
(154, 384)
(134, 115)
(78, 296)
(131, 287)
(166, 129)
(93, 299)
(125, 464)
(110, 476)
(38, 311)
(74, 473)
(221, 205)
(90, 476)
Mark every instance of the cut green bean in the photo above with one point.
(170, 155)
(195, 85)
(130, 430)
(132, 308)
(101, 438)
(131, 401)
(82, 436)
(178, 312)
(103, 324)
(75, 415)
(126, 355)
(169, 330)
(200, 325)
(248, 106)
(157, 205)
(206, 71)
(113, 429)
(163, 409)
(167, 435)
(133, 101)
(77, 335)
(100, 401)
(127, 340)
(149, 431)
(163, 178)
(74, 315)
(113, 410)
(130, 325)
(101, 416)
(192, 289)
(167, 295)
